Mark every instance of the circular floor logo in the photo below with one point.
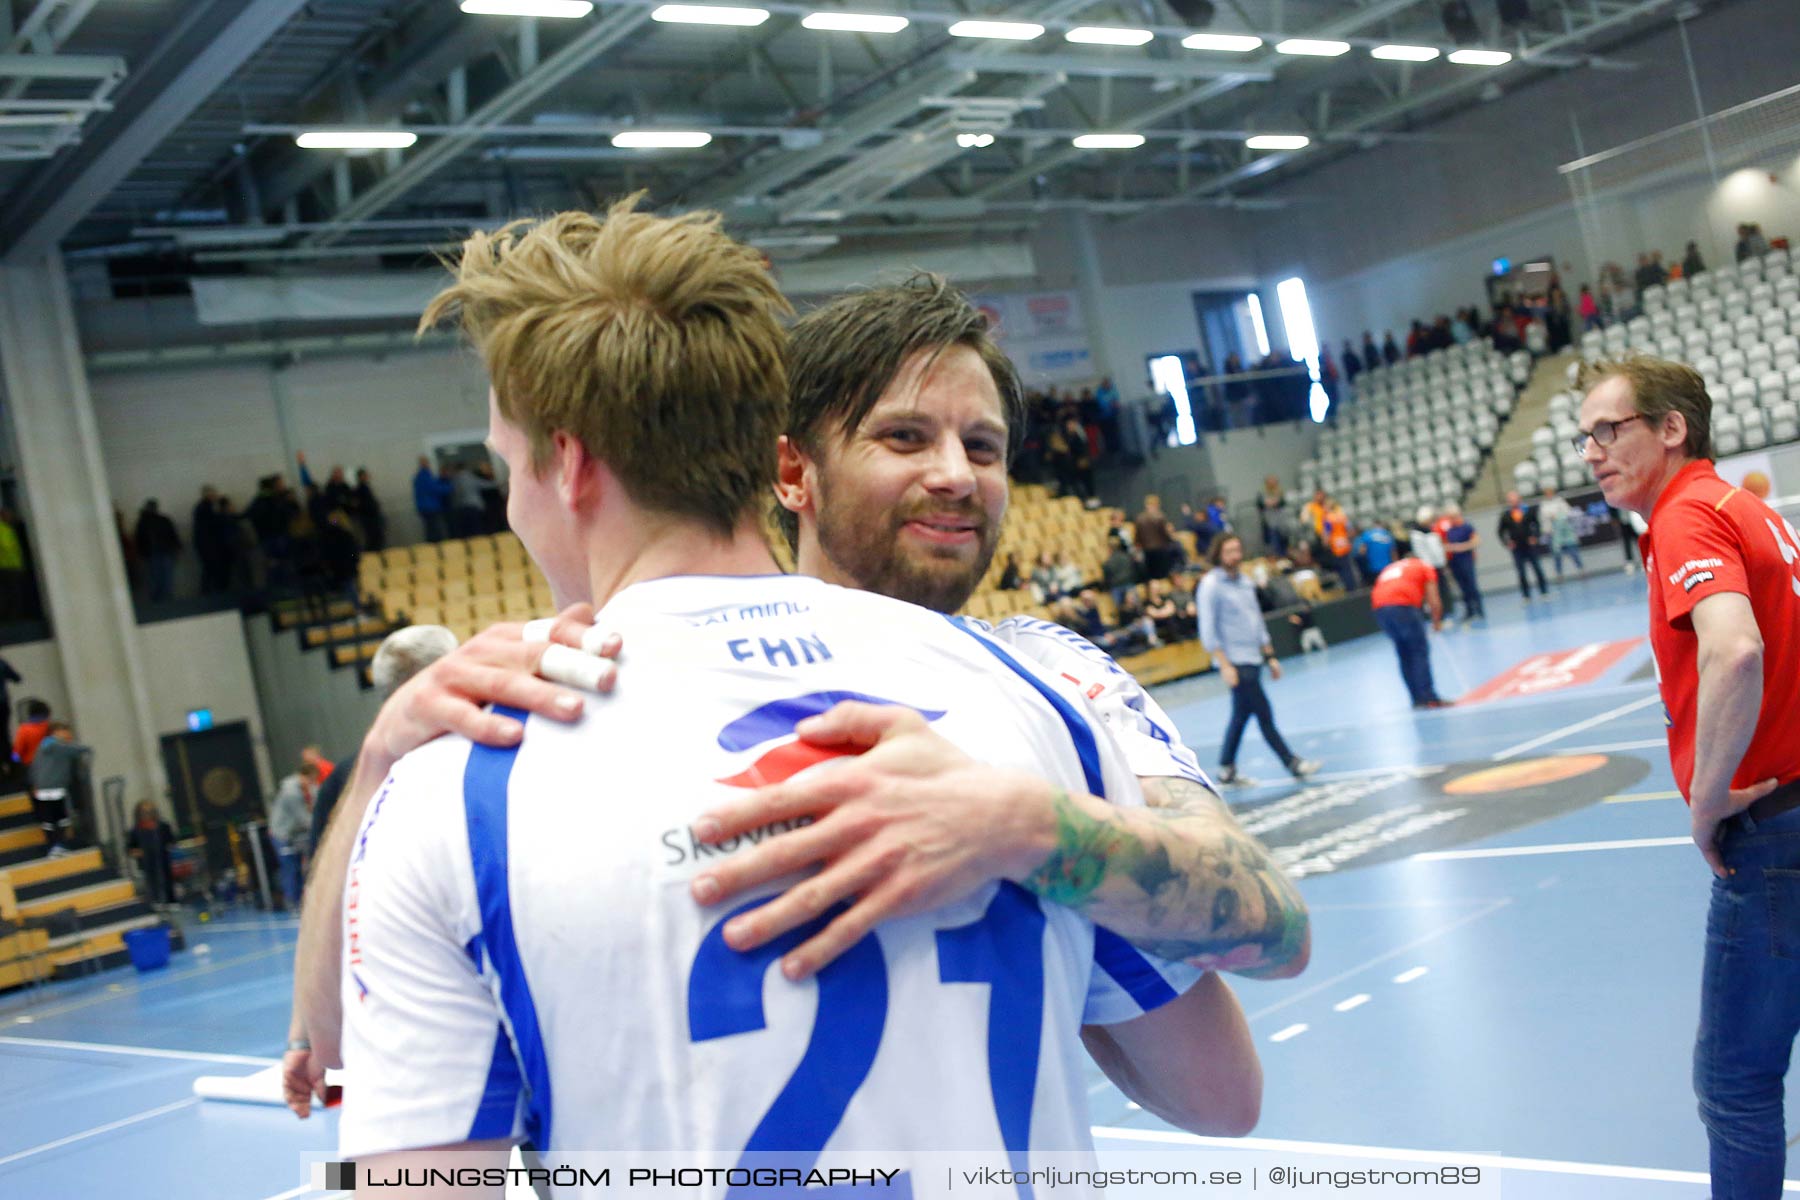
(1411, 810)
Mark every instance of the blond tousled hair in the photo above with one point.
(657, 342)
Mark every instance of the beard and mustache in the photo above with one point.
(867, 546)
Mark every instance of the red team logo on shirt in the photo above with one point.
(777, 720)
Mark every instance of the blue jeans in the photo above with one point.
(1462, 569)
(289, 863)
(1406, 628)
(1249, 700)
(1574, 553)
(1750, 1005)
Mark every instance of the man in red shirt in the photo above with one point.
(1403, 587)
(30, 734)
(1724, 572)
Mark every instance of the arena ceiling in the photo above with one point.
(138, 128)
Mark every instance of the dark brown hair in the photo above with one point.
(843, 355)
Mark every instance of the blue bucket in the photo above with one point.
(149, 947)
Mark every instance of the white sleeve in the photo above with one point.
(1144, 733)
(427, 1059)
(1126, 982)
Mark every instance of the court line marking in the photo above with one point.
(1661, 743)
(1340, 977)
(307, 1189)
(1444, 1158)
(1639, 797)
(1563, 848)
(100, 1129)
(139, 989)
(1558, 735)
(142, 1051)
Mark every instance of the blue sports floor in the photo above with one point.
(1486, 997)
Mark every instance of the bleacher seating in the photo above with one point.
(1417, 432)
(465, 584)
(1739, 326)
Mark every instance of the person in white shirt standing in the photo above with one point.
(1558, 521)
(1233, 632)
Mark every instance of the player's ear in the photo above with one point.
(577, 480)
(796, 478)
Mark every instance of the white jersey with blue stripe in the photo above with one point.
(1142, 730)
(523, 957)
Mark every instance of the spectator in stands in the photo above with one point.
(1106, 409)
(212, 543)
(54, 776)
(1646, 274)
(1353, 365)
(1460, 542)
(1520, 532)
(8, 677)
(1462, 327)
(1068, 576)
(1372, 550)
(1429, 548)
(15, 581)
(1272, 512)
(148, 843)
(431, 499)
(468, 504)
(1117, 526)
(1091, 623)
(1658, 272)
(1154, 536)
(1305, 624)
(1556, 524)
(1371, 353)
(339, 552)
(1238, 394)
(240, 539)
(1691, 263)
(1335, 544)
(1120, 570)
(272, 514)
(290, 824)
(1415, 340)
(1164, 613)
(315, 758)
(1044, 587)
(31, 732)
(1751, 243)
(1390, 350)
(1134, 631)
(1232, 631)
(1589, 309)
(1559, 320)
(159, 543)
(1009, 574)
(365, 510)
(1401, 590)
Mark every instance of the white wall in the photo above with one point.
(42, 668)
(202, 662)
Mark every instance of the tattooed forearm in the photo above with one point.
(1180, 879)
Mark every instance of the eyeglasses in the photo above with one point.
(1604, 433)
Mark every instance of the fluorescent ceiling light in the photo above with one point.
(1314, 47)
(1405, 53)
(1480, 58)
(1109, 141)
(1009, 31)
(1278, 141)
(1238, 43)
(709, 14)
(566, 9)
(650, 139)
(974, 141)
(1108, 35)
(849, 22)
(356, 139)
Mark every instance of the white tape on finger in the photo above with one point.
(572, 668)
